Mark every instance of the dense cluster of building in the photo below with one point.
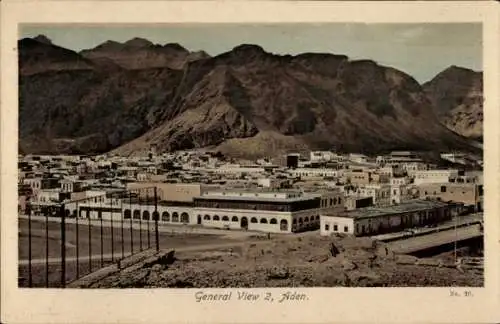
(346, 193)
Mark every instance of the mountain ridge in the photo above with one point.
(156, 95)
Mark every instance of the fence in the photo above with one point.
(59, 243)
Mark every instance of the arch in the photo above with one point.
(137, 214)
(244, 222)
(301, 220)
(332, 201)
(127, 214)
(145, 215)
(317, 217)
(284, 225)
(234, 219)
(225, 218)
(75, 213)
(340, 200)
(156, 216)
(273, 221)
(294, 221)
(165, 216)
(306, 219)
(216, 218)
(253, 220)
(206, 217)
(263, 220)
(175, 217)
(185, 217)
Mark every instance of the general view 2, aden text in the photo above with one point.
(245, 167)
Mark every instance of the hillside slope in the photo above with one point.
(457, 94)
(98, 100)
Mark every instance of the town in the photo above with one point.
(350, 193)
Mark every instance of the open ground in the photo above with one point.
(89, 247)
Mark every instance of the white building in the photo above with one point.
(316, 172)
(434, 176)
(412, 168)
(273, 211)
(374, 221)
(321, 156)
(380, 193)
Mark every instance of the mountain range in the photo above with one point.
(127, 97)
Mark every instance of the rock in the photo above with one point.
(318, 258)
(406, 259)
(348, 265)
(278, 272)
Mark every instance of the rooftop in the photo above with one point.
(259, 195)
(406, 207)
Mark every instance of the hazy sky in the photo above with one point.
(421, 50)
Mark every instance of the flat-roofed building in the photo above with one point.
(380, 193)
(316, 156)
(358, 176)
(332, 200)
(434, 176)
(68, 185)
(182, 192)
(271, 211)
(316, 172)
(469, 194)
(39, 183)
(352, 202)
(374, 221)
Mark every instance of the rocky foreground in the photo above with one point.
(294, 262)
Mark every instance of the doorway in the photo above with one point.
(199, 219)
(244, 223)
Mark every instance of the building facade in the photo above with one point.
(375, 221)
(275, 212)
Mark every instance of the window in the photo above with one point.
(273, 221)
(263, 221)
(327, 227)
(346, 229)
(225, 218)
(335, 227)
(284, 225)
(234, 219)
(206, 217)
(443, 188)
(253, 220)
(216, 217)
(185, 217)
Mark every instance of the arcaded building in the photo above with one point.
(271, 211)
(260, 210)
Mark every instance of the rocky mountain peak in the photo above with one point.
(43, 39)
(138, 42)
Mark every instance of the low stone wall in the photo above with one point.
(143, 259)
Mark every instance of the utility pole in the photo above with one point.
(456, 238)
